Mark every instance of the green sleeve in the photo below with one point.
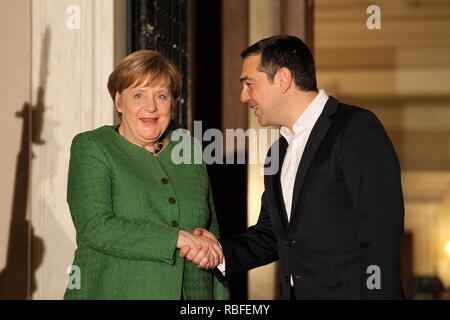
(97, 226)
(221, 291)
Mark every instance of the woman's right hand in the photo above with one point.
(203, 251)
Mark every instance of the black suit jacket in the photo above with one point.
(346, 218)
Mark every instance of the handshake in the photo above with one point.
(201, 247)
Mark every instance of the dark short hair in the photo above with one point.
(283, 51)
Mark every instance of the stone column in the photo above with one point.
(75, 45)
(264, 21)
(267, 18)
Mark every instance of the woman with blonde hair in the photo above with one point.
(132, 207)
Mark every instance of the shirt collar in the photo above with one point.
(308, 118)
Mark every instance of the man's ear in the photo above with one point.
(284, 79)
(117, 102)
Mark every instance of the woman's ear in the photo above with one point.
(117, 102)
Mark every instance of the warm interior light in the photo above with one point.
(447, 248)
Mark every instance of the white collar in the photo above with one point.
(308, 118)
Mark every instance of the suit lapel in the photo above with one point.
(318, 132)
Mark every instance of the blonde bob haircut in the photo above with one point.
(145, 66)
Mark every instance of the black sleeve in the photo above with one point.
(256, 247)
(372, 173)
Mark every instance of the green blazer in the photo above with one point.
(127, 206)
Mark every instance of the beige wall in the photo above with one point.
(401, 71)
(62, 73)
(427, 206)
(15, 92)
(76, 99)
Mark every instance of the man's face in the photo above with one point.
(258, 92)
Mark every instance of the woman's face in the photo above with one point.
(145, 112)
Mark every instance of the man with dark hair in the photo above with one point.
(333, 214)
(288, 52)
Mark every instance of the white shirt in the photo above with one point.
(296, 145)
(297, 142)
